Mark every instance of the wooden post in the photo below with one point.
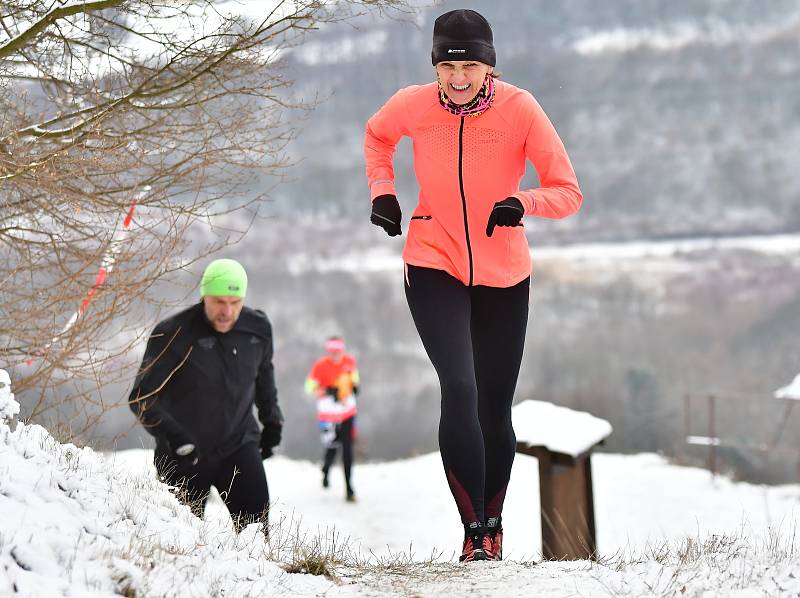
(566, 504)
(591, 532)
(687, 422)
(712, 434)
(572, 515)
(546, 504)
(687, 425)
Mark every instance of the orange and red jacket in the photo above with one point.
(326, 372)
(464, 165)
(344, 376)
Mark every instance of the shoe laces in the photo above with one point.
(494, 531)
(477, 543)
(488, 546)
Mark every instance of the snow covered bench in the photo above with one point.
(562, 441)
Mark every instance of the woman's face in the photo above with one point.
(462, 79)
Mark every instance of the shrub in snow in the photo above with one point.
(75, 524)
(8, 406)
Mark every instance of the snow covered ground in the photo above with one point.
(77, 524)
(385, 258)
(640, 500)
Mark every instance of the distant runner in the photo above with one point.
(334, 381)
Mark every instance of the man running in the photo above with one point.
(203, 370)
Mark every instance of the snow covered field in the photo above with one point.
(77, 524)
(386, 258)
(639, 500)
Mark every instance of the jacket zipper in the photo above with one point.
(463, 197)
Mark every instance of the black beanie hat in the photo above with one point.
(462, 35)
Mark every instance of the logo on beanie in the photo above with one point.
(453, 51)
(233, 287)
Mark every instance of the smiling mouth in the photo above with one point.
(464, 87)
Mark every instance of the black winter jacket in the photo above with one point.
(198, 386)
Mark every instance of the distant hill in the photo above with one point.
(681, 118)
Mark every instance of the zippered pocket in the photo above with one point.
(421, 217)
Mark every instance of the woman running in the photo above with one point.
(467, 262)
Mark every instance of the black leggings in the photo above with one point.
(344, 438)
(474, 336)
(239, 478)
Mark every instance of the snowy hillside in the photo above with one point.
(76, 524)
(679, 117)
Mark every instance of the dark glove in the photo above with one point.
(386, 214)
(187, 455)
(505, 213)
(332, 392)
(270, 438)
(355, 389)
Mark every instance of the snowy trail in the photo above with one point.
(77, 524)
(406, 505)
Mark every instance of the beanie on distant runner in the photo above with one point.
(224, 278)
(462, 35)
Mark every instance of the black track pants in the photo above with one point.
(344, 438)
(474, 337)
(245, 494)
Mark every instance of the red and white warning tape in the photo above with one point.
(106, 266)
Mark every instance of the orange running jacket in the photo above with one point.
(464, 165)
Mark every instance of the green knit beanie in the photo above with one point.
(224, 278)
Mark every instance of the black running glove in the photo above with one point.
(332, 392)
(386, 214)
(187, 455)
(508, 212)
(270, 438)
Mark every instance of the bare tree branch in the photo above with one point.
(23, 39)
(161, 115)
